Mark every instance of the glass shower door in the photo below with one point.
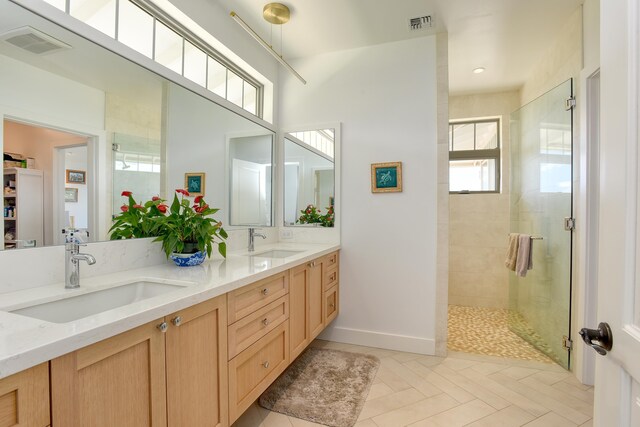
(541, 197)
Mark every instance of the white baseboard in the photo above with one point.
(380, 340)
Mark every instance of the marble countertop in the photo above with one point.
(26, 341)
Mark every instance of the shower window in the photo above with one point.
(474, 156)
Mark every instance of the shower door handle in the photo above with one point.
(601, 339)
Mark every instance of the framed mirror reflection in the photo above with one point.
(310, 177)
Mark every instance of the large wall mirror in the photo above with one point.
(80, 124)
(310, 177)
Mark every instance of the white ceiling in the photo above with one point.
(507, 37)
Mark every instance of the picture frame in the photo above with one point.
(194, 183)
(386, 177)
(76, 176)
(70, 195)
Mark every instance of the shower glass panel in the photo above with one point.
(541, 197)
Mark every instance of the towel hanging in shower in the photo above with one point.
(512, 252)
(524, 259)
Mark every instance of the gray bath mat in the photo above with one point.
(323, 386)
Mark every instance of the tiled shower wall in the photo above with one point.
(479, 223)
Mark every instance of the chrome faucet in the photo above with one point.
(252, 235)
(72, 264)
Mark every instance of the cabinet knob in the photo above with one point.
(177, 321)
(265, 291)
(266, 364)
(311, 264)
(265, 321)
(332, 305)
(163, 327)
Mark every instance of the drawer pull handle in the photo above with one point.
(265, 291)
(332, 277)
(332, 305)
(266, 364)
(311, 264)
(265, 321)
(177, 321)
(162, 327)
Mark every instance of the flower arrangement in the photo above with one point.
(181, 227)
(312, 215)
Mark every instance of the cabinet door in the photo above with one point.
(298, 313)
(197, 365)
(24, 398)
(316, 323)
(119, 381)
(331, 308)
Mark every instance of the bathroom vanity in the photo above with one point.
(204, 351)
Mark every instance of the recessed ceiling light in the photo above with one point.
(478, 70)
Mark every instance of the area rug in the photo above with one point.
(323, 386)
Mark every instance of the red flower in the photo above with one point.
(155, 198)
(183, 192)
(198, 199)
(126, 193)
(124, 208)
(162, 208)
(138, 207)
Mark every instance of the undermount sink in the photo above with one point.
(276, 253)
(78, 307)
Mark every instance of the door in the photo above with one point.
(617, 384)
(298, 313)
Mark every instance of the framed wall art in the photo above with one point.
(386, 177)
(194, 183)
(76, 177)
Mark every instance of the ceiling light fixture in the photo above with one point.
(276, 14)
(478, 70)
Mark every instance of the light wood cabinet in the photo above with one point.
(248, 299)
(248, 330)
(299, 331)
(24, 398)
(253, 370)
(309, 285)
(196, 365)
(119, 381)
(204, 365)
(145, 377)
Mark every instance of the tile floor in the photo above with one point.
(486, 331)
(458, 390)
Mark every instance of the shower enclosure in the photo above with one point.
(541, 201)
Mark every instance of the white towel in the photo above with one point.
(524, 260)
(512, 252)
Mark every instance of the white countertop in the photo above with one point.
(26, 341)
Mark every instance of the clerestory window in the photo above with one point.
(147, 29)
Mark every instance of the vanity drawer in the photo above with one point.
(331, 260)
(250, 329)
(253, 370)
(330, 278)
(331, 304)
(250, 298)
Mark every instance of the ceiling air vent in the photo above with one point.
(32, 40)
(421, 23)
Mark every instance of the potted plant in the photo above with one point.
(187, 231)
(136, 220)
(312, 215)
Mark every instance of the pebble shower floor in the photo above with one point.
(485, 331)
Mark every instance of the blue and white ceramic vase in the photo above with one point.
(188, 260)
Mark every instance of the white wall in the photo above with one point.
(385, 97)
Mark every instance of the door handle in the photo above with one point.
(601, 339)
